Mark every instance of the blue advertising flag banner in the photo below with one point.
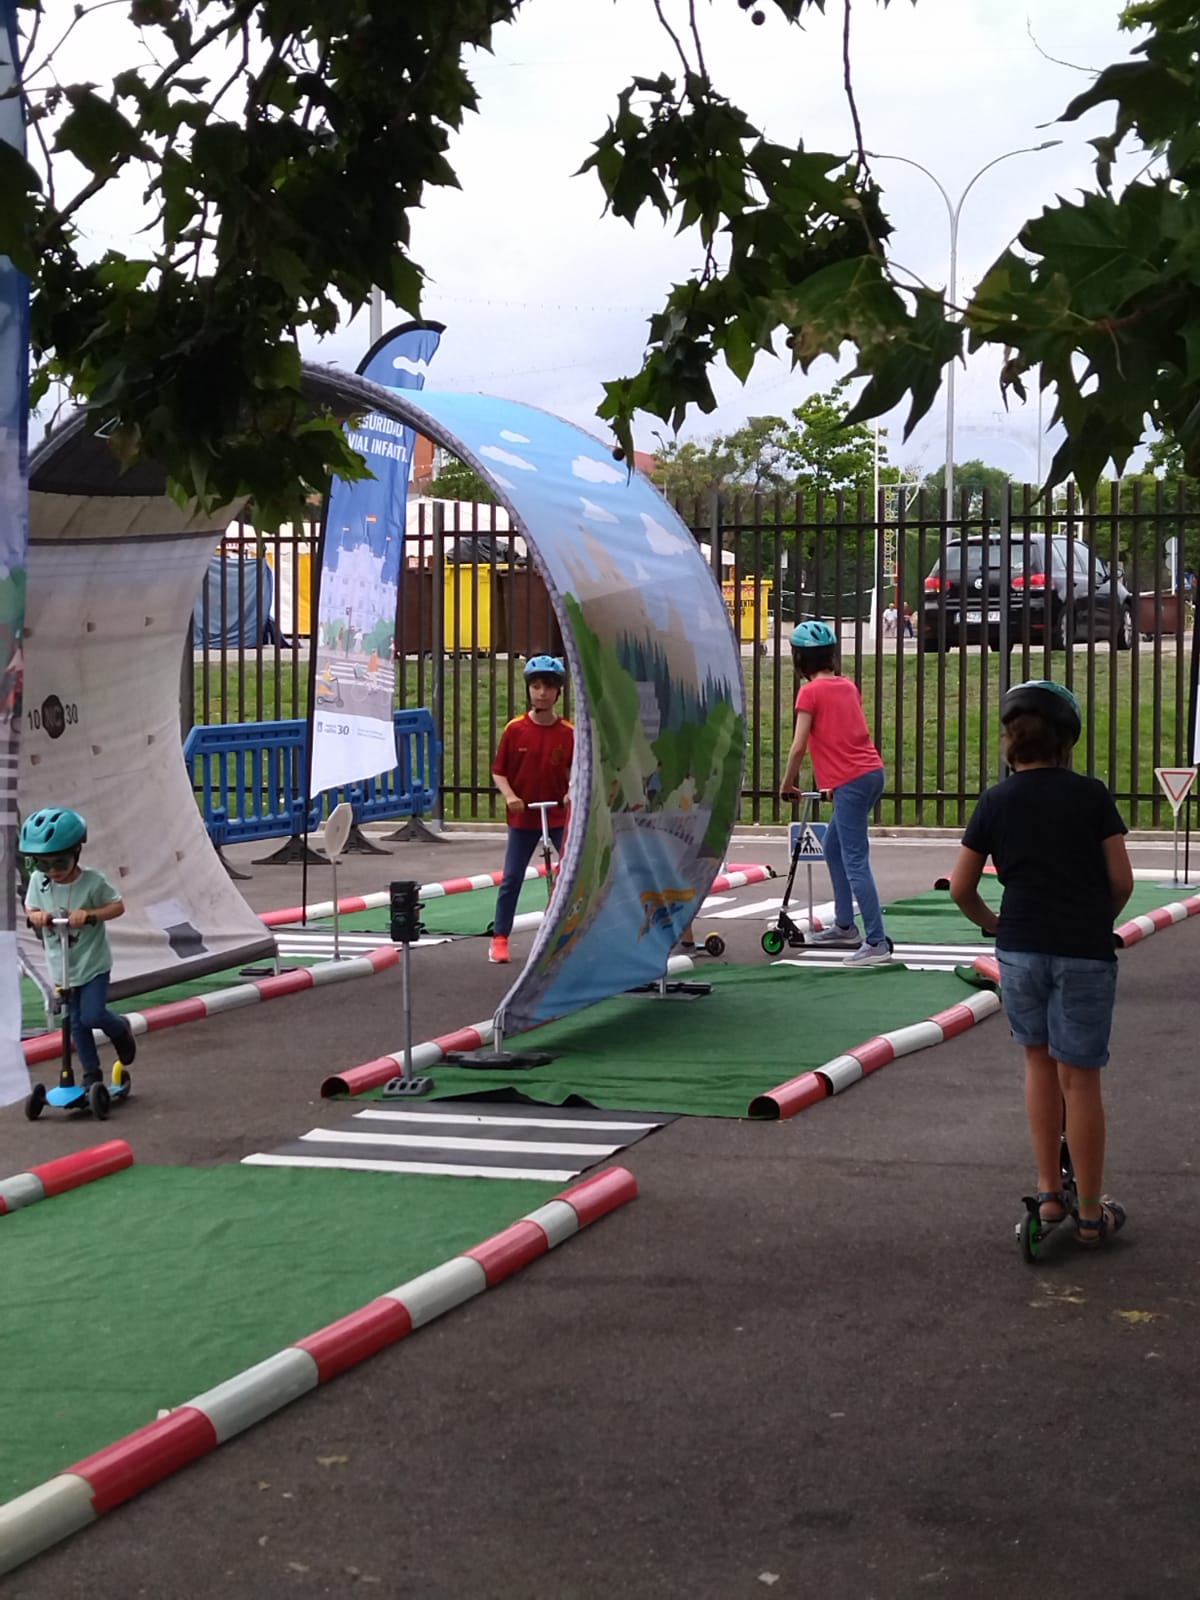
(659, 703)
(14, 536)
(359, 577)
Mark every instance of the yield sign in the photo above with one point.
(1175, 783)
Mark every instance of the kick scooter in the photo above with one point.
(786, 930)
(1032, 1231)
(67, 1095)
(542, 807)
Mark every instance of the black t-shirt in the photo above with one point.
(1044, 828)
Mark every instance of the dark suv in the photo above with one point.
(1057, 589)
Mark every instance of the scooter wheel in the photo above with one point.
(772, 942)
(1030, 1234)
(714, 944)
(124, 1082)
(36, 1103)
(99, 1101)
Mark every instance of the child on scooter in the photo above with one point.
(533, 762)
(52, 839)
(831, 727)
(1058, 843)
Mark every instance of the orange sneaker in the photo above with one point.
(498, 951)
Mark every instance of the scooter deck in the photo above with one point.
(75, 1097)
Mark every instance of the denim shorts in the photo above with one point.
(1064, 1002)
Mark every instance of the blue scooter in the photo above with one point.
(67, 1095)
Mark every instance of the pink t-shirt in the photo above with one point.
(839, 741)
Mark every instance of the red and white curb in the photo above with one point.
(46, 1046)
(100, 1482)
(49, 1178)
(374, 1074)
(1139, 928)
(372, 902)
(839, 1073)
(731, 878)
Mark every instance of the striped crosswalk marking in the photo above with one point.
(922, 957)
(468, 1140)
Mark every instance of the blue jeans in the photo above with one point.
(522, 842)
(89, 1009)
(848, 854)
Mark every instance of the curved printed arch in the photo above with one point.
(659, 700)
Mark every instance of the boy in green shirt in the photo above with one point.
(60, 888)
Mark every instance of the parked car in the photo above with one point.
(1056, 588)
(482, 549)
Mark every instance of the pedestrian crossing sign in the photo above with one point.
(811, 838)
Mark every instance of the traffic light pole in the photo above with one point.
(405, 930)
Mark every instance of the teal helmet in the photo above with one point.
(812, 636)
(51, 830)
(1054, 701)
(545, 667)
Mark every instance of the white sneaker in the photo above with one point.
(868, 955)
(831, 935)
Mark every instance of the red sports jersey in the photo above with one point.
(536, 760)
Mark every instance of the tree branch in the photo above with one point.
(849, 87)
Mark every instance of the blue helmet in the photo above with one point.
(1054, 701)
(545, 667)
(50, 830)
(812, 635)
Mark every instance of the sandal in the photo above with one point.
(1092, 1232)
(1052, 1197)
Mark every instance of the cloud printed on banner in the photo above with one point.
(419, 369)
(593, 471)
(595, 513)
(506, 458)
(501, 483)
(662, 539)
(510, 437)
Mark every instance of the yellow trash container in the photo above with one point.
(467, 613)
(749, 606)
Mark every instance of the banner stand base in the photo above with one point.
(357, 844)
(415, 831)
(291, 852)
(231, 870)
(402, 1088)
(498, 1060)
(671, 991)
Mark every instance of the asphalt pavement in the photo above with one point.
(807, 1361)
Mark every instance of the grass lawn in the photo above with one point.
(934, 718)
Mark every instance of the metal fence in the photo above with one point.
(935, 616)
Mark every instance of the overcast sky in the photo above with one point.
(543, 297)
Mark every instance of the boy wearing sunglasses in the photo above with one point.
(52, 839)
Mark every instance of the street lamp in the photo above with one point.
(954, 211)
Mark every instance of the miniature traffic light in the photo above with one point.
(405, 909)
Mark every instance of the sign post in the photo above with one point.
(807, 843)
(1176, 784)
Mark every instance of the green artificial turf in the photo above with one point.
(140, 1291)
(933, 918)
(710, 1056)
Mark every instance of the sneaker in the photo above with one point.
(126, 1047)
(834, 934)
(868, 955)
(498, 949)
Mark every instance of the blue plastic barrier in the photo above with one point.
(250, 778)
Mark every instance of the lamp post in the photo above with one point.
(954, 211)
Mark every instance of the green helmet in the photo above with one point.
(812, 635)
(50, 830)
(1054, 701)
